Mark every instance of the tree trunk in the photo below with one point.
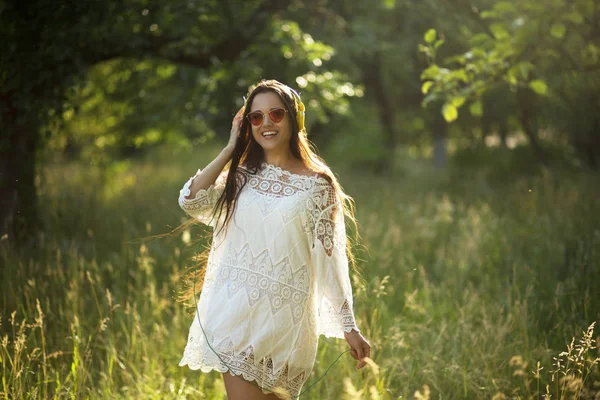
(373, 80)
(19, 218)
(486, 126)
(440, 140)
(586, 141)
(527, 117)
(503, 132)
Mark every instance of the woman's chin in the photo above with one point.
(272, 144)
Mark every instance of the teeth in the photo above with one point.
(269, 133)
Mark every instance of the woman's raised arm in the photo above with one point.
(210, 173)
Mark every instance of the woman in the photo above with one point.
(277, 273)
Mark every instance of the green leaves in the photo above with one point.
(389, 4)
(538, 86)
(558, 30)
(574, 17)
(449, 112)
(499, 30)
(430, 73)
(505, 7)
(476, 109)
(430, 36)
(458, 101)
(426, 86)
(506, 52)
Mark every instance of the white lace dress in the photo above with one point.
(276, 279)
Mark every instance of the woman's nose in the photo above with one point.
(267, 120)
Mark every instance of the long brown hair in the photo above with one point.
(250, 154)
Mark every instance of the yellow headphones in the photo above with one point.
(300, 109)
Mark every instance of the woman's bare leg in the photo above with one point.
(240, 389)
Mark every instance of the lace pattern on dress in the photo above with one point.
(202, 205)
(326, 223)
(199, 356)
(330, 319)
(276, 182)
(262, 277)
(324, 211)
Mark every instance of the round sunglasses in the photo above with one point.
(276, 115)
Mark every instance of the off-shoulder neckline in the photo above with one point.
(286, 172)
(281, 171)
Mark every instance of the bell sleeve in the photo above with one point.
(330, 262)
(202, 205)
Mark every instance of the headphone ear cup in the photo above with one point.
(299, 110)
(300, 119)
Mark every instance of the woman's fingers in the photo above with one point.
(357, 354)
(367, 348)
(364, 350)
(361, 358)
(239, 115)
(360, 352)
(359, 349)
(236, 125)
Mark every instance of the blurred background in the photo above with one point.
(468, 132)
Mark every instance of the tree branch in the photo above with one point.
(226, 50)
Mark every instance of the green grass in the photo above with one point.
(471, 278)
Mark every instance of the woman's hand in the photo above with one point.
(235, 128)
(359, 346)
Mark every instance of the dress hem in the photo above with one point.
(206, 368)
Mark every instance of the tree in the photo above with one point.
(49, 49)
(547, 54)
(377, 45)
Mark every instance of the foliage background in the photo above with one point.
(467, 131)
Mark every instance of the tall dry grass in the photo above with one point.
(474, 288)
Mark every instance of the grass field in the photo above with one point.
(470, 281)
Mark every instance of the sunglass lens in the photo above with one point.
(255, 118)
(277, 115)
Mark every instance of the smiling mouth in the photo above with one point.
(268, 134)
